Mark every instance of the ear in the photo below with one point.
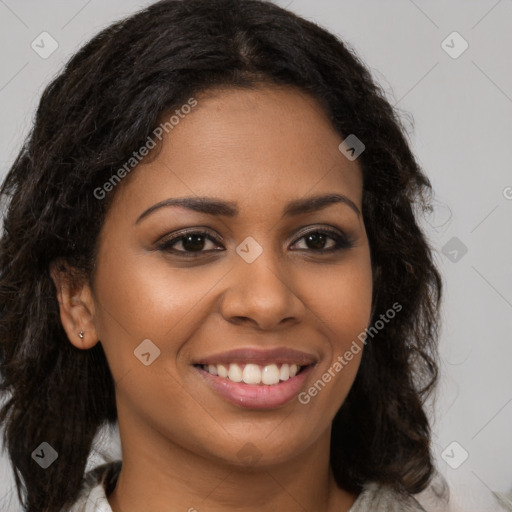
(76, 305)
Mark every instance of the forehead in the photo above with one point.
(259, 146)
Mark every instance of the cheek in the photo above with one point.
(342, 303)
(141, 298)
(342, 297)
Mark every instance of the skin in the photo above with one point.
(260, 148)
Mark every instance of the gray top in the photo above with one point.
(101, 480)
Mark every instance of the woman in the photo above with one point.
(210, 239)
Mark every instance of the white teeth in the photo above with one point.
(270, 374)
(221, 370)
(254, 374)
(251, 374)
(235, 373)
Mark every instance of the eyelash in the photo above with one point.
(342, 242)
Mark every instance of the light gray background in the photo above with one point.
(462, 136)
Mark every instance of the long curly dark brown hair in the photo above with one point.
(102, 107)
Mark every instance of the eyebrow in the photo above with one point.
(214, 206)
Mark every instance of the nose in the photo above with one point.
(262, 293)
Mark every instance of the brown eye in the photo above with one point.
(316, 240)
(193, 243)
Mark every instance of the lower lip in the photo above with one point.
(252, 396)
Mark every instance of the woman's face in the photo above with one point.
(258, 284)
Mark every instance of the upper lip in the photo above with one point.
(259, 356)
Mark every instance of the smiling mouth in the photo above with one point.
(254, 374)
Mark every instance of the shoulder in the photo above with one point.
(377, 497)
(96, 485)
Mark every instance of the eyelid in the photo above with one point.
(336, 234)
(341, 237)
(176, 235)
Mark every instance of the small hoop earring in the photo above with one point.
(81, 335)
